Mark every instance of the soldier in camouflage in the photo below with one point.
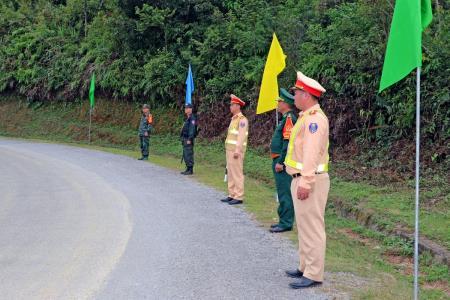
(145, 127)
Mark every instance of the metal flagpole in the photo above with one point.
(90, 123)
(276, 118)
(416, 230)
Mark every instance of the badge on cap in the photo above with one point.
(313, 127)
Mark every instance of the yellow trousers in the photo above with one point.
(235, 174)
(309, 216)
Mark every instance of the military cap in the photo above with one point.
(285, 96)
(188, 105)
(308, 85)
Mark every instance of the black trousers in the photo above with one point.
(188, 153)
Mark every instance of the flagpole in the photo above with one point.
(276, 125)
(90, 123)
(416, 230)
(276, 118)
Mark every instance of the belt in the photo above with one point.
(299, 174)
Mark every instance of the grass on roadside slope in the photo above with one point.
(382, 260)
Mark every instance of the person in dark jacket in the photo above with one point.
(188, 135)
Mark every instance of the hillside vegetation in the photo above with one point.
(140, 50)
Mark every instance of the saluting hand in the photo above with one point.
(302, 193)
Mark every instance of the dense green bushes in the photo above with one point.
(140, 51)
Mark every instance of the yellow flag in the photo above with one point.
(275, 64)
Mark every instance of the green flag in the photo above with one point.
(404, 47)
(92, 91)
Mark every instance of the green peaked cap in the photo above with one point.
(285, 96)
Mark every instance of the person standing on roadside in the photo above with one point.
(145, 127)
(235, 147)
(307, 162)
(278, 150)
(188, 134)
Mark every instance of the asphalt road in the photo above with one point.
(85, 224)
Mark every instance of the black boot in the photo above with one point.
(189, 171)
(279, 229)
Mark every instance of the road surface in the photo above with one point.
(85, 224)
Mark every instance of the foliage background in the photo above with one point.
(140, 50)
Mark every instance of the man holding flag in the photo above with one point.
(278, 150)
(189, 130)
(188, 134)
(267, 101)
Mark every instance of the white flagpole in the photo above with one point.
(416, 229)
(90, 123)
(276, 125)
(276, 117)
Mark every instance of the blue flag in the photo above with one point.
(189, 86)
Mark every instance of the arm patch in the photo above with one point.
(313, 127)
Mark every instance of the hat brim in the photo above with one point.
(296, 88)
(293, 88)
(307, 89)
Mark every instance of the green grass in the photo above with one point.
(351, 248)
(394, 207)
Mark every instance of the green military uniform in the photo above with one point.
(278, 148)
(145, 127)
(188, 133)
